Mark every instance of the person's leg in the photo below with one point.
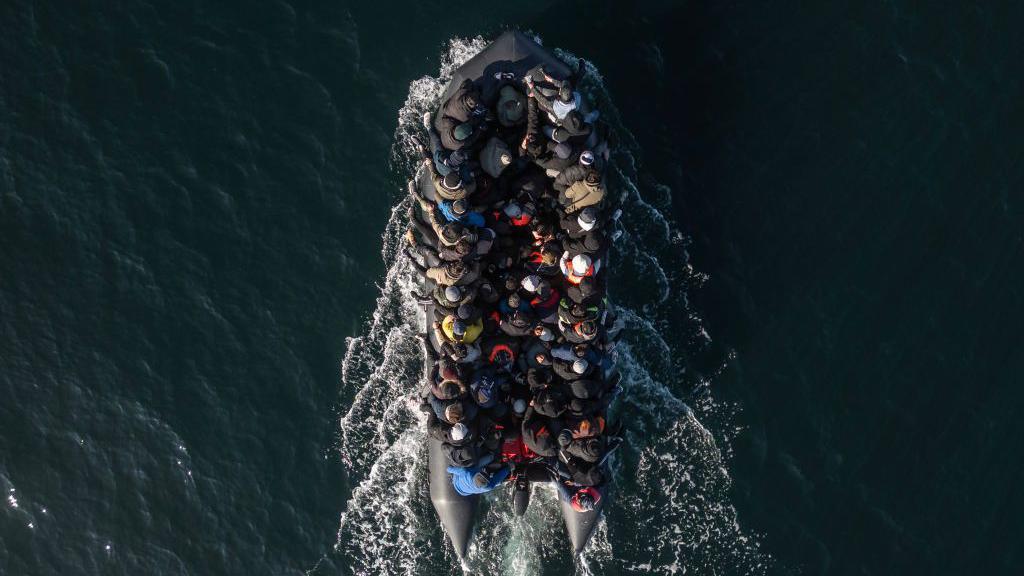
(429, 255)
(426, 232)
(438, 152)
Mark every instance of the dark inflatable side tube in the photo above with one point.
(581, 525)
(455, 510)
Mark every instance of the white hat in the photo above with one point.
(459, 432)
(581, 263)
(587, 158)
(452, 293)
(580, 366)
(587, 218)
(519, 406)
(531, 283)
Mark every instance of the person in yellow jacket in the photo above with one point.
(455, 330)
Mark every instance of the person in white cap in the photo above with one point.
(459, 432)
(579, 267)
(582, 223)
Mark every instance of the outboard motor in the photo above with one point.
(521, 494)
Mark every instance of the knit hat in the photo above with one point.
(580, 366)
(453, 293)
(459, 432)
(463, 131)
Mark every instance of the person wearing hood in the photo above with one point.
(580, 332)
(518, 323)
(479, 479)
(454, 273)
(586, 293)
(585, 499)
(453, 410)
(539, 378)
(539, 434)
(452, 186)
(536, 352)
(500, 351)
(590, 449)
(459, 211)
(489, 388)
(449, 298)
(495, 157)
(550, 401)
(587, 192)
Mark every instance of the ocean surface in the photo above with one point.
(205, 334)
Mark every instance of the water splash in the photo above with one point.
(672, 468)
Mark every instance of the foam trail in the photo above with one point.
(671, 468)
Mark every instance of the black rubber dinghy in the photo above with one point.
(513, 52)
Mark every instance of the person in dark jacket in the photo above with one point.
(581, 224)
(577, 172)
(539, 433)
(572, 370)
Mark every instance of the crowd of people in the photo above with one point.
(511, 235)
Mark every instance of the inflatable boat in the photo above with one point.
(506, 61)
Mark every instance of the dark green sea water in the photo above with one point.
(201, 343)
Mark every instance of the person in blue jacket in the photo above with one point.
(478, 480)
(458, 211)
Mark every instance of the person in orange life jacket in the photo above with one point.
(578, 267)
(539, 433)
(585, 500)
(545, 299)
(500, 351)
(544, 260)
